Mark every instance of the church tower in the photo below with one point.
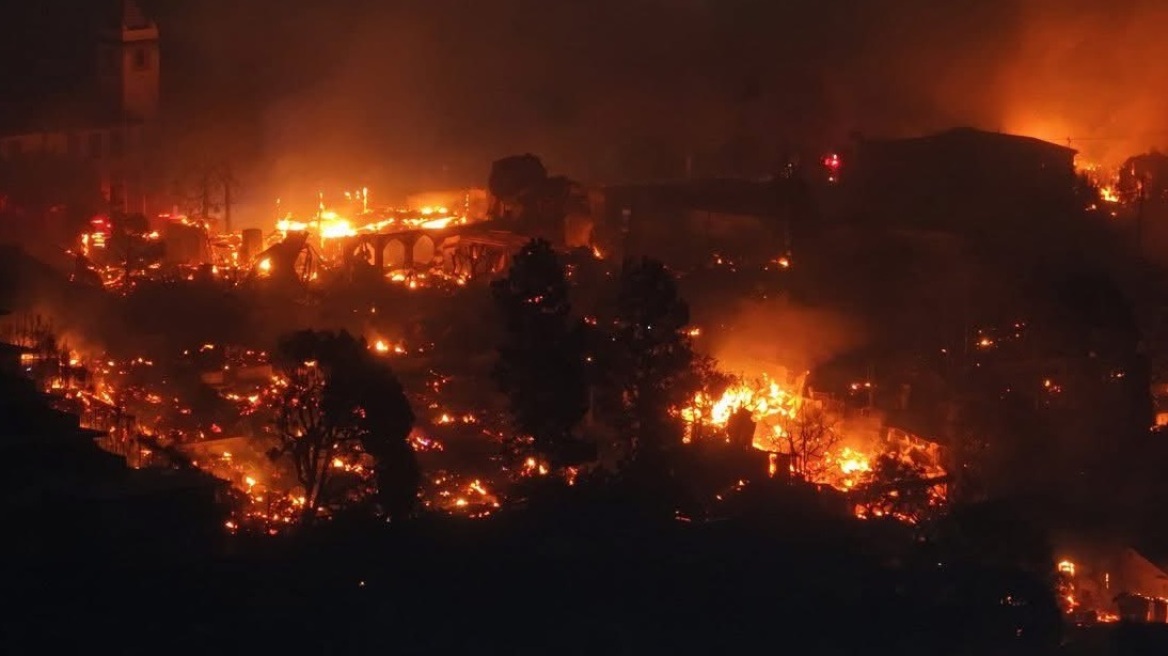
(128, 64)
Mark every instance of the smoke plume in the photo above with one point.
(407, 95)
(774, 335)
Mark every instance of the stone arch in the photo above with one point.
(394, 254)
(424, 251)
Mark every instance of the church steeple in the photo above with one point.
(133, 18)
(128, 64)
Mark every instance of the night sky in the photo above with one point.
(413, 93)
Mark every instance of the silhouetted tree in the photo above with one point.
(994, 551)
(541, 360)
(342, 400)
(651, 365)
(807, 438)
(522, 192)
(512, 176)
(513, 183)
(1142, 179)
(896, 488)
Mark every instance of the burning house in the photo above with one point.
(1139, 197)
(1144, 179)
(1106, 584)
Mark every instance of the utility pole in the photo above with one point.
(227, 206)
(626, 229)
(206, 201)
(320, 218)
(228, 182)
(1141, 186)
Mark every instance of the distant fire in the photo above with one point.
(152, 424)
(333, 224)
(767, 401)
(811, 439)
(115, 257)
(1081, 597)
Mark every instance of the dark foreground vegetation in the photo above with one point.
(568, 587)
(579, 572)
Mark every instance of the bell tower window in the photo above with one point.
(141, 59)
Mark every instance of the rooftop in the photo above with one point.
(132, 17)
(965, 136)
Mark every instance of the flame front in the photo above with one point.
(768, 402)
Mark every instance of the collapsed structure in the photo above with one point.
(67, 477)
(1112, 584)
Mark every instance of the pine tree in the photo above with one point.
(651, 365)
(341, 398)
(541, 359)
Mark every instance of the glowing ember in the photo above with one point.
(437, 224)
(358, 218)
(852, 465)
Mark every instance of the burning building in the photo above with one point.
(1144, 179)
(1108, 584)
(813, 438)
(471, 203)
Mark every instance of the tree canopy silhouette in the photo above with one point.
(342, 401)
(541, 358)
(513, 176)
(651, 365)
